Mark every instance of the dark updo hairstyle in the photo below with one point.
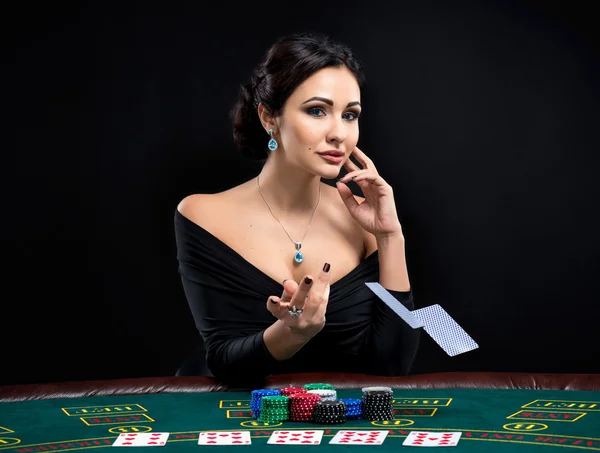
(288, 63)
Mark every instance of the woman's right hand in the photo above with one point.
(311, 297)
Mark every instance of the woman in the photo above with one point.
(287, 233)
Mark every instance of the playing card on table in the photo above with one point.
(224, 438)
(407, 315)
(445, 331)
(429, 439)
(141, 440)
(296, 437)
(348, 437)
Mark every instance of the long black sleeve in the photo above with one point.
(391, 344)
(232, 331)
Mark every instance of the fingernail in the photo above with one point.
(326, 267)
(273, 301)
(284, 280)
(307, 280)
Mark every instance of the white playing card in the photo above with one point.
(397, 306)
(296, 437)
(351, 437)
(445, 331)
(224, 438)
(141, 440)
(429, 439)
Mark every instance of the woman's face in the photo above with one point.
(321, 116)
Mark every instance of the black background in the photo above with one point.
(482, 115)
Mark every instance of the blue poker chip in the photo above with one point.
(257, 395)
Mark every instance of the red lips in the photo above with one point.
(332, 152)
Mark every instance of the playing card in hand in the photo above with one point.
(141, 440)
(353, 437)
(224, 438)
(429, 439)
(296, 437)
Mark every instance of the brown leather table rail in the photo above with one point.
(181, 384)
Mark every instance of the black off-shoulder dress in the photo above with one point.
(227, 296)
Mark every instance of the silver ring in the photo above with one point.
(295, 312)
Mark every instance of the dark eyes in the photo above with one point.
(354, 115)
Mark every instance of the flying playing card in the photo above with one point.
(445, 331)
(296, 437)
(347, 437)
(429, 439)
(141, 440)
(440, 326)
(224, 438)
(407, 315)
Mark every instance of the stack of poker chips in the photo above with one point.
(274, 409)
(353, 408)
(329, 412)
(257, 396)
(377, 403)
(301, 406)
(327, 395)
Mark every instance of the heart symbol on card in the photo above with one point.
(237, 442)
(362, 434)
(127, 443)
(281, 441)
(152, 443)
(130, 438)
(433, 438)
(223, 435)
(211, 442)
(344, 441)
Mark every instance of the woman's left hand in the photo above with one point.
(377, 213)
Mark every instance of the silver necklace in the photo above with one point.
(298, 256)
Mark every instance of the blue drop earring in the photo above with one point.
(273, 145)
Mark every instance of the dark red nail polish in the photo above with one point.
(307, 280)
(326, 267)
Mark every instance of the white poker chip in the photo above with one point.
(325, 394)
(377, 389)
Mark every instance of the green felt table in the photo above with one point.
(490, 420)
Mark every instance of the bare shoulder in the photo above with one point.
(211, 211)
(341, 213)
(200, 209)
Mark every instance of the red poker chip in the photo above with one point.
(304, 396)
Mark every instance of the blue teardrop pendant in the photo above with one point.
(298, 257)
(273, 144)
